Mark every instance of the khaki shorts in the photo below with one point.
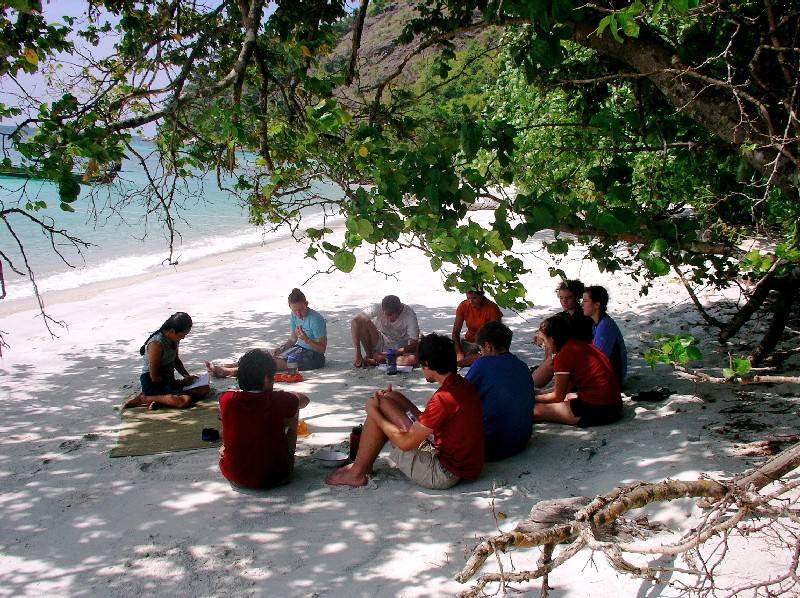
(422, 467)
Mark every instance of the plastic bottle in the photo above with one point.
(391, 362)
(291, 365)
(355, 438)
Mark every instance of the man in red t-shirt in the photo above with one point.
(435, 448)
(474, 311)
(259, 426)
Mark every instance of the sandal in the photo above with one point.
(659, 393)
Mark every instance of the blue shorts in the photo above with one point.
(151, 389)
(308, 359)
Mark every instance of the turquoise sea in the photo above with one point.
(127, 241)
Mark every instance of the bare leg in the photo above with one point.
(363, 332)
(393, 405)
(355, 474)
(199, 392)
(468, 359)
(180, 401)
(222, 371)
(407, 359)
(555, 412)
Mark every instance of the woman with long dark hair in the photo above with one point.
(161, 362)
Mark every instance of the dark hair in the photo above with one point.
(496, 334)
(557, 328)
(599, 295)
(438, 353)
(573, 286)
(180, 321)
(391, 304)
(297, 296)
(476, 292)
(254, 366)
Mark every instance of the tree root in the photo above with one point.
(728, 503)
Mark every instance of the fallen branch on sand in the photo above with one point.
(698, 376)
(733, 505)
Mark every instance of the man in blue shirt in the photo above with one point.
(504, 384)
(607, 335)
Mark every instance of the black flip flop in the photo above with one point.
(659, 393)
(209, 435)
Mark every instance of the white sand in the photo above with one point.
(75, 523)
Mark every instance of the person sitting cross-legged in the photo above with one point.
(259, 426)
(388, 325)
(504, 384)
(474, 311)
(436, 447)
(569, 296)
(582, 366)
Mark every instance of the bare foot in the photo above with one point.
(217, 371)
(135, 400)
(345, 476)
(358, 362)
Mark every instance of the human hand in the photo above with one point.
(373, 403)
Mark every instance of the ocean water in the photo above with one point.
(125, 241)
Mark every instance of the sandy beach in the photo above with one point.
(75, 522)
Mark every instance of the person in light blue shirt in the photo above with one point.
(607, 335)
(307, 341)
(505, 386)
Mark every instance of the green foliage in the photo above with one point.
(676, 349)
(739, 367)
(598, 152)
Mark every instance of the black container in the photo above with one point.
(391, 362)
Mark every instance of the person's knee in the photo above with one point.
(183, 401)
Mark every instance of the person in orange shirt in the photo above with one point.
(475, 310)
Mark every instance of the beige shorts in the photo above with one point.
(422, 467)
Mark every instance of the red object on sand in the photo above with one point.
(286, 377)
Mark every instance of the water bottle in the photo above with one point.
(291, 365)
(391, 362)
(355, 438)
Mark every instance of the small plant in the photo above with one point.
(677, 349)
(740, 366)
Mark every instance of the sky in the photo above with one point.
(36, 84)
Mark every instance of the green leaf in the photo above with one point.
(344, 260)
(68, 189)
(365, 228)
(693, 352)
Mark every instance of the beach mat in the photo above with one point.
(145, 432)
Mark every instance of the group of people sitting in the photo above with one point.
(486, 415)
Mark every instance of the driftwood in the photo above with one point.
(698, 376)
(728, 502)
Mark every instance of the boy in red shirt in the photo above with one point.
(259, 426)
(435, 448)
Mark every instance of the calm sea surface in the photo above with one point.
(125, 243)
